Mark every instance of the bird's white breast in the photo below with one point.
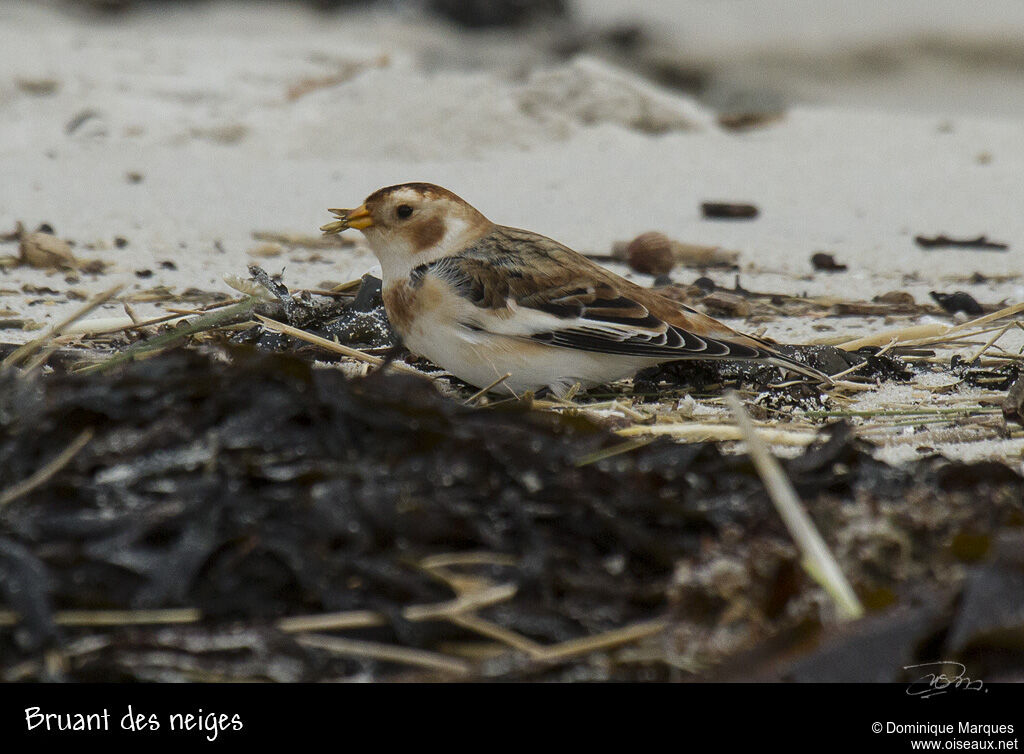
(437, 323)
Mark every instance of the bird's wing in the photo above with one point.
(525, 285)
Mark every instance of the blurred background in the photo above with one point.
(735, 55)
(188, 129)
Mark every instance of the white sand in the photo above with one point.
(198, 103)
(914, 55)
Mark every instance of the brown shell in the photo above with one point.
(651, 254)
(45, 251)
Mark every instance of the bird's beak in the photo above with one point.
(357, 218)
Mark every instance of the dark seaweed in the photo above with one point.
(260, 487)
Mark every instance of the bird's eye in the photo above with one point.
(404, 210)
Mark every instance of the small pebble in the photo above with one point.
(827, 263)
(706, 284)
(896, 298)
(959, 301)
(38, 87)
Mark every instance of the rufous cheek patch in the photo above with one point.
(427, 235)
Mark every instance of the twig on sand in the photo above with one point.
(900, 335)
(901, 412)
(153, 345)
(331, 345)
(19, 355)
(943, 242)
(817, 558)
(990, 342)
(932, 334)
(85, 327)
(697, 432)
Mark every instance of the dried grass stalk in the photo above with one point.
(817, 558)
(46, 471)
(695, 432)
(330, 345)
(19, 355)
(386, 653)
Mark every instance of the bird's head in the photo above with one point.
(412, 223)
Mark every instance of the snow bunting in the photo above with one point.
(482, 300)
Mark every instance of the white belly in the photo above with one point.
(480, 358)
(429, 318)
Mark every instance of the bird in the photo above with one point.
(483, 301)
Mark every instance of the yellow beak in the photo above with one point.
(357, 218)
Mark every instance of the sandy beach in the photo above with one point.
(205, 477)
(162, 143)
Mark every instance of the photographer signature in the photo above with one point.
(935, 683)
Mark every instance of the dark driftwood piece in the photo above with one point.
(980, 243)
